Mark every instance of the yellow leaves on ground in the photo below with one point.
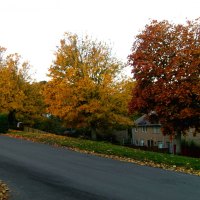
(179, 164)
(3, 191)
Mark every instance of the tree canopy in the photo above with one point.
(166, 66)
(85, 89)
(18, 95)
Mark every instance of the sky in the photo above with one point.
(33, 28)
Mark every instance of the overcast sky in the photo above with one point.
(33, 28)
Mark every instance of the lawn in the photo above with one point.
(105, 149)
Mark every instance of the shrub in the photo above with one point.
(190, 148)
(3, 123)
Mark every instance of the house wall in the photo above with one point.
(152, 136)
(149, 136)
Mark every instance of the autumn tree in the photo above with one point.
(33, 106)
(166, 66)
(84, 89)
(18, 96)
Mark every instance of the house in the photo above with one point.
(149, 134)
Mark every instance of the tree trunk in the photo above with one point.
(93, 134)
(12, 119)
(178, 142)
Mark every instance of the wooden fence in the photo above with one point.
(33, 130)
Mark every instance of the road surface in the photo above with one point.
(41, 172)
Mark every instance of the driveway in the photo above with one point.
(41, 172)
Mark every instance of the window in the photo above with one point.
(144, 129)
(160, 144)
(168, 144)
(156, 129)
(136, 129)
(150, 143)
(141, 142)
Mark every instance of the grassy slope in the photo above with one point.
(167, 161)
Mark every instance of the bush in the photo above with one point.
(190, 148)
(3, 123)
(50, 124)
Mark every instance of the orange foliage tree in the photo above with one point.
(19, 97)
(84, 89)
(166, 66)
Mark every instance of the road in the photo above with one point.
(36, 171)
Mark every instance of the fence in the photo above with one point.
(32, 130)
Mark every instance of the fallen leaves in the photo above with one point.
(142, 163)
(114, 152)
(3, 191)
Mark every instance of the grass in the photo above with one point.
(169, 161)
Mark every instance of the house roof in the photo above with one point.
(143, 121)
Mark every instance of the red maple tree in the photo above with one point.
(166, 66)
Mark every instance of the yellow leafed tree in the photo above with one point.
(33, 106)
(18, 96)
(85, 87)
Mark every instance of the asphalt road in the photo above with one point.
(41, 172)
